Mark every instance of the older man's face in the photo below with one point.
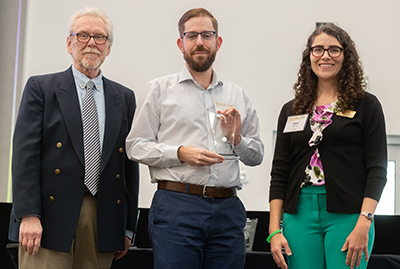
(88, 57)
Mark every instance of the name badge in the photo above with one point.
(295, 123)
(348, 114)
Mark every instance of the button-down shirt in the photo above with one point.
(98, 94)
(81, 80)
(172, 112)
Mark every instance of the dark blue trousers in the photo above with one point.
(191, 231)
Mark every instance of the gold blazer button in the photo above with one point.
(118, 176)
(119, 202)
(121, 150)
(51, 198)
(57, 171)
(59, 145)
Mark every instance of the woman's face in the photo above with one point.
(326, 67)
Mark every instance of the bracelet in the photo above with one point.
(272, 235)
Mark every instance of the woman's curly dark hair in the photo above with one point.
(350, 88)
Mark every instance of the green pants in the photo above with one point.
(315, 236)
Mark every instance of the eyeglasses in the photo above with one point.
(85, 38)
(319, 51)
(206, 35)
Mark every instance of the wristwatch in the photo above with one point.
(368, 215)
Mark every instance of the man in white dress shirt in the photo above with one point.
(196, 219)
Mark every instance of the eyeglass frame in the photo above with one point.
(90, 37)
(214, 33)
(326, 50)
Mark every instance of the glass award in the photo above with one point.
(223, 134)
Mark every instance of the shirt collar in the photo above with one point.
(185, 75)
(82, 80)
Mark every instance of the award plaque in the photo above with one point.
(223, 134)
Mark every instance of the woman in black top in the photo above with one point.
(329, 166)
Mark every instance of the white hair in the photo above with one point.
(95, 12)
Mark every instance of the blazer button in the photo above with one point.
(57, 171)
(119, 202)
(59, 145)
(121, 150)
(51, 198)
(118, 176)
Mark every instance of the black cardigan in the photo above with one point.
(353, 154)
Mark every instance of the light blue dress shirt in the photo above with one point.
(98, 94)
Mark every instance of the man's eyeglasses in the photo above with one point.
(334, 51)
(85, 37)
(206, 35)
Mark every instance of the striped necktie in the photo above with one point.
(91, 140)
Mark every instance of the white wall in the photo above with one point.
(263, 42)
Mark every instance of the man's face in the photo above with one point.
(88, 57)
(200, 53)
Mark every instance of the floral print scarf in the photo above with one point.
(320, 118)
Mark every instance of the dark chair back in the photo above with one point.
(12, 249)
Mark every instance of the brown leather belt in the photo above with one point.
(206, 191)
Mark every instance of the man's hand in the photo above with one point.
(30, 234)
(119, 254)
(198, 157)
(230, 114)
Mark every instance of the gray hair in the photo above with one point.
(94, 12)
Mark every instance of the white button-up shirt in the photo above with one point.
(172, 112)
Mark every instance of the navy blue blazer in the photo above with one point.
(48, 163)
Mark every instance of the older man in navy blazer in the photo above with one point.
(57, 217)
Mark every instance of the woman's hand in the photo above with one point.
(278, 242)
(357, 242)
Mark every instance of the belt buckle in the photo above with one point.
(204, 193)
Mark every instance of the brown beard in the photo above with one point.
(203, 63)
